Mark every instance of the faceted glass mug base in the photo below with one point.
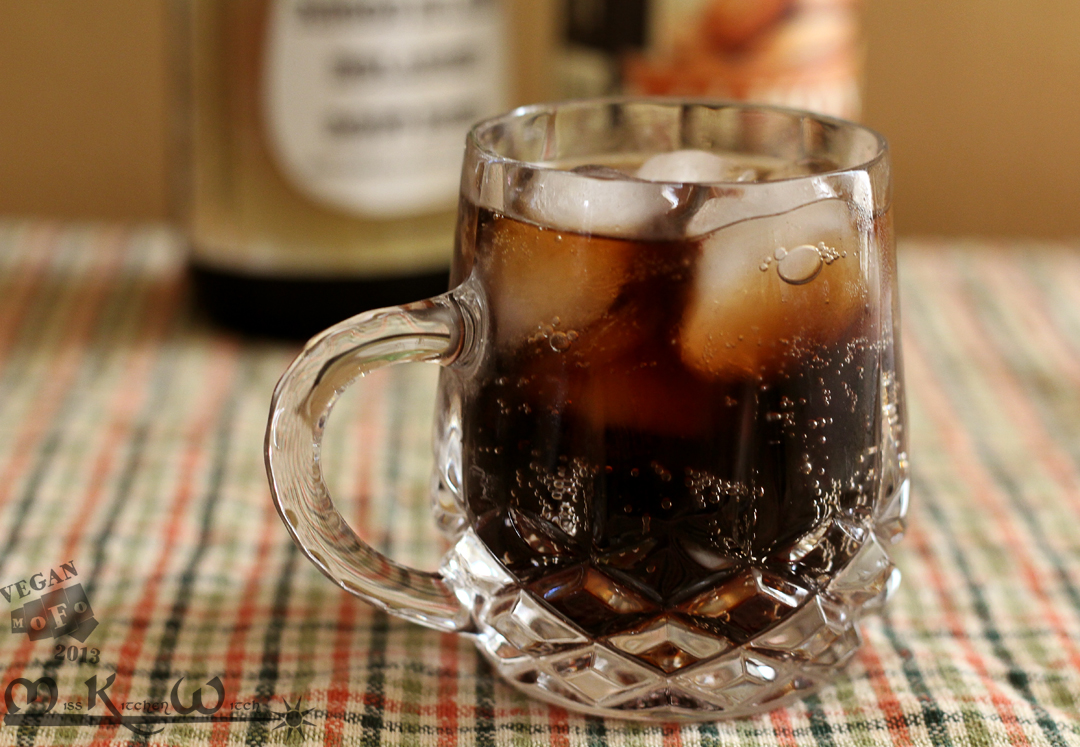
(669, 667)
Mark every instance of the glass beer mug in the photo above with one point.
(669, 441)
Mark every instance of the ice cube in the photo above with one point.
(689, 167)
(589, 203)
(606, 379)
(731, 204)
(770, 286)
(660, 400)
(622, 371)
(540, 278)
(614, 376)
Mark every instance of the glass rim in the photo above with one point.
(474, 141)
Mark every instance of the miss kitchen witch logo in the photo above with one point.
(65, 610)
(41, 706)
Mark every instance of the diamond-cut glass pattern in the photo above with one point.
(530, 627)
(868, 579)
(789, 688)
(471, 569)
(745, 605)
(600, 674)
(737, 677)
(892, 517)
(591, 683)
(808, 632)
(592, 599)
(753, 641)
(495, 645)
(665, 700)
(818, 554)
(554, 688)
(668, 700)
(839, 651)
(669, 643)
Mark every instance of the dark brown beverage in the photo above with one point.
(656, 422)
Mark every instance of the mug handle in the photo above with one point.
(440, 329)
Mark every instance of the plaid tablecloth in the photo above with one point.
(131, 479)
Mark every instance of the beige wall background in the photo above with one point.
(979, 98)
(83, 120)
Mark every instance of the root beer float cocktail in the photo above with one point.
(669, 440)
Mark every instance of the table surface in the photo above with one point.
(130, 450)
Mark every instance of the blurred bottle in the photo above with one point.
(325, 142)
(806, 54)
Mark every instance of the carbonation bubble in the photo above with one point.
(801, 265)
(559, 341)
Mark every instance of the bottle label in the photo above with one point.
(367, 102)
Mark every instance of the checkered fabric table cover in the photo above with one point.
(131, 468)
